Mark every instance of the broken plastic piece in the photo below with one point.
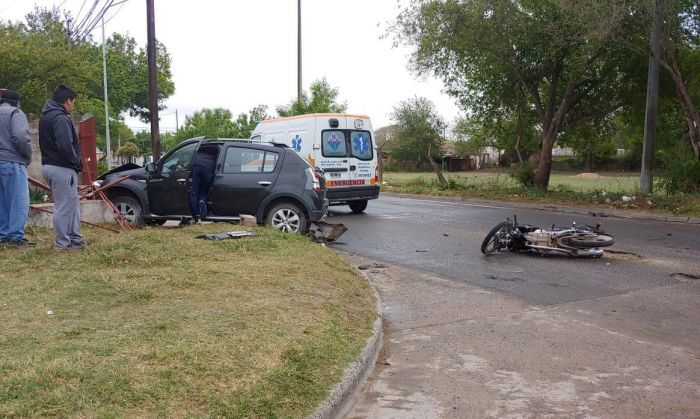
(226, 235)
(327, 232)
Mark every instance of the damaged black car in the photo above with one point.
(270, 182)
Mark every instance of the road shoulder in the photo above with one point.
(455, 350)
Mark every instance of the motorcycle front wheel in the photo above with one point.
(492, 241)
(588, 241)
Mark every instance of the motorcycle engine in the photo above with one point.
(538, 237)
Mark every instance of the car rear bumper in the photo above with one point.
(319, 214)
(352, 194)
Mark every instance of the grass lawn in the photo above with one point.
(607, 190)
(157, 323)
(610, 182)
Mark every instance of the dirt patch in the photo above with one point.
(621, 255)
(588, 175)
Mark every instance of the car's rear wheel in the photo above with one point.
(130, 209)
(287, 217)
(358, 206)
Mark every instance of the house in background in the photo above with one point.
(454, 159)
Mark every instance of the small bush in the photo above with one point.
(524, 175)
(681, 174)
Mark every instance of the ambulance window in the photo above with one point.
(333, 143)
(361, 143)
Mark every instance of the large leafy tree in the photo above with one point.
(210, 123)
(38, 55)
(680, 54)
(244, 125)
(323, 99)
(419, 129)
(485, 50)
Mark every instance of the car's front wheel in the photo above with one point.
(287, 217)
(130, 209)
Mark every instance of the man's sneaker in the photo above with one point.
(82, 244)
(22, 242)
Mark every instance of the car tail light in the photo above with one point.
(311, 173)
(376, 175)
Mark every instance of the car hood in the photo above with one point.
(131, 169)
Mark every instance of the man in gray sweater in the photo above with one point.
(15, 156)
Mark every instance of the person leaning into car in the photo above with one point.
(202, 177)
(61, 163)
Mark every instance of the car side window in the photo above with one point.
(246, 160)
(180, 159)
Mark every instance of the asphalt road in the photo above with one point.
(444, 238)
(515, 335)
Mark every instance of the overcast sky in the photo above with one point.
(238, 54)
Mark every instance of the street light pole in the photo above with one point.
(106, 101)
(299, 91)
(152, 80)
(645, 177)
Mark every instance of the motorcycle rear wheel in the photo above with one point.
(592, 240)
(492, 242)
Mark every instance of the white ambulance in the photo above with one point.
(340, 144)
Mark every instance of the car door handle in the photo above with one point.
(265, 183)
(352, 168)
(181, 181)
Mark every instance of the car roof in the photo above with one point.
(262, 146)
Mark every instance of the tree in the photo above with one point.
(129, 151)
(127, 71)
(680, 56)
(210, 123)
(511, 131)
(485, 50)
(38, 55)
(244, 125)
(419, 130)
(323, 100)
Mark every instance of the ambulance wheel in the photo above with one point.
(358, 206)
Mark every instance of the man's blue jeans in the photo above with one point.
(14, 201)
(201, 182)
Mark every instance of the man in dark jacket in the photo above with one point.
(202, 177)
(15, 156)
(61, 163)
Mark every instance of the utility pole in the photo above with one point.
(177, 124)
(645, 178)
(299, 91)
(106, 101)
(152, 80)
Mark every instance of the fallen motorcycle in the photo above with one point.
(586, 241)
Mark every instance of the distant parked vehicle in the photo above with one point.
(270, 182)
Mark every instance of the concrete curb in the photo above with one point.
(341, 396)
(591, 211)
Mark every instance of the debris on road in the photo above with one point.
(226, 235)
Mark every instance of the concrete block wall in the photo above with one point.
(96, 212)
